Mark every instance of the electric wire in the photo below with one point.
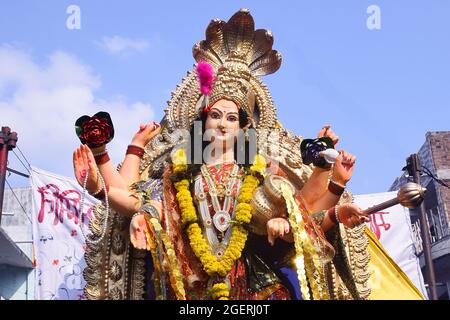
(18, 148)
(431, 175)
(26, 168)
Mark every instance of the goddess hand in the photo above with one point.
(145, 134)
(84, 163)
(351, 215)
(277, 227)
(327, 132)
(343, 167)
(138, 227)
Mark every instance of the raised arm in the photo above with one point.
(341, 174)
(107, 169)
(129, 172)
(130, 166)
(323, 209)
(348, 214)
(120, 199)
(317, 184)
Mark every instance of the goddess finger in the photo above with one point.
(281, 229)
(286, 227)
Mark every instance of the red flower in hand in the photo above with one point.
(95, 131)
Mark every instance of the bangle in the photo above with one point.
(100, 153)
(150, 209)
(337, 183)
(137, 214)
(101, 158)
(97, 192)
(318, 217)
(337, 214)
(100, 194)
(137, 151)
(336, 188)
(332, 215)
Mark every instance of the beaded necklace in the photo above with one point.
(221, 218)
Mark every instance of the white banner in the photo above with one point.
(58, 241)
(392, 227)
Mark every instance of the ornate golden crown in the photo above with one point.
(232, 82)
(239, 55)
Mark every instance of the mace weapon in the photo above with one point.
(410, 195)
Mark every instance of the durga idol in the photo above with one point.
(217, 202)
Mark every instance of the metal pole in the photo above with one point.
(17, 172)
(8, 141)
(3, 162)
(414, 163)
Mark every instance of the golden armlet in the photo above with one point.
(268, 203)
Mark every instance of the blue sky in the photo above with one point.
(381, 90)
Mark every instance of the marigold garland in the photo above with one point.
(219, 291)
(179, 161)
(259, 165)
(185, 202)
(175, 276)
(157, 263)
(308, 264)
(211, 265)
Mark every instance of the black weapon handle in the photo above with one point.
(381, 206)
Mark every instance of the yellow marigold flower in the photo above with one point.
(221, 294)
(219, 286)
(251, 181)
(243, 206)
(179, 168)
(244, 218)
(246, 191)
(179, 157)
(245, 197)
(182, 185)
(259, 164)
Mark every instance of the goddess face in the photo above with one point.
(222, 123)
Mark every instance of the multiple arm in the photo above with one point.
(129, 172)
(318, 195)
(341, 173)
(120, 197)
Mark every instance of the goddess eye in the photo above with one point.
(215, 115)
(232, 118)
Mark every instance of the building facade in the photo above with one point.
(16, 246)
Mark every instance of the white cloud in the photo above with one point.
(42, 102)
(121, 45)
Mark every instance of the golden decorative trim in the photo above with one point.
(263, 210)
(111, 270)
(356, 246)
(272, 188)
(281, 147)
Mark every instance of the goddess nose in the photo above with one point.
(222, 123)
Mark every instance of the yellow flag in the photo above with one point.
(387, 280)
